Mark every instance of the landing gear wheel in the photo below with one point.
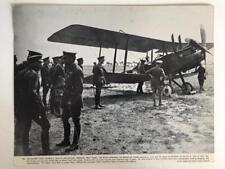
(167, 90)
(188, 88)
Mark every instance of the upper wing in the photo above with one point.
(90, 36)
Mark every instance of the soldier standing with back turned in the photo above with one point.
(72, 101)
(157, 75)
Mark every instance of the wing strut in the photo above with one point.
(114, 60)
(125, 57)
(100, 50)
(151, 55)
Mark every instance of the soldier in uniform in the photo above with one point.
(57, 84)
(201, 76)
(157, 75)
(19, 67)
(80, 62)
(99, 80)
(141, 70)
(72, 101)
(45, 79)
(30, 106)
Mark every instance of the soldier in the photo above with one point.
(19, 67)
(72, 100)
(99, 80)
(201, 76)
(80, 62)
(141, 70)
(157, 75)
(57, 84)
(45, 79)
(30, 106)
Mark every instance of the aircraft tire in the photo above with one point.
(188, 88)
(167, 90)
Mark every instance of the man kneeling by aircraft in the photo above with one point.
(157, 75)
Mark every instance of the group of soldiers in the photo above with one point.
(64, 79)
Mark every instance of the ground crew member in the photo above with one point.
(80, 62)
(201, 76)
(57, 74)
(72, 100)
(30, 106)
(141, 70)
(45, 79)
(99, 80)
(157, 75)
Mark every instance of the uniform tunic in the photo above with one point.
(29, 107)
(157, 75)
(99, 81)
(201, 75)
(45, 75)
(45, 81)
(99, 75)
(57, 82)
(72, 101)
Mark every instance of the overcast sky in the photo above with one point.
(33, 24)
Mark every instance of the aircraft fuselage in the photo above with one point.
(182, 61)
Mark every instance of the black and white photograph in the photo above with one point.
(113, 79)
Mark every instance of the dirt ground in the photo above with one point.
(130, 125)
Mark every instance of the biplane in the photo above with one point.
(177, 57)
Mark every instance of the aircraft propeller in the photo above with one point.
(192, 42)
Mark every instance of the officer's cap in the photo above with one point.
(69, 54)
(57, 58)
(159, 62)
(34, 56)
(80, 59)
(101, 57)
(46, 59)
(142, 60)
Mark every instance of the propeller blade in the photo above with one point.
(203, 35)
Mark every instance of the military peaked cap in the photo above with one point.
(80, 59)
(57, 57)
(34, 56)
(45, 59)
(69, 54)
(101, 57)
